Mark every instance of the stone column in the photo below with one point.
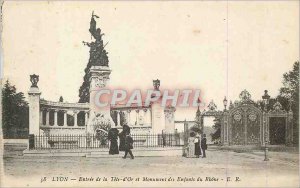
(137, 117)
(34, 110)
(150, 117)
(75, 118)
(55, 118)
(141, 113)
(128, 117)
(41, 117)
(132, 118)
(47, 117)
(65, 118)
(145, 117)
(86, 118)
(125, 117)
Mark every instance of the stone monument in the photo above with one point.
(158, 119)
(99, 80)
(34, 105)
(98, 72)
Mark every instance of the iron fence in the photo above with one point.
(40, 142)
(157, 140)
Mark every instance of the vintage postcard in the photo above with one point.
(149, 93)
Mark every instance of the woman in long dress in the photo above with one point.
(113, 137)
(191, 146)
(197, 146)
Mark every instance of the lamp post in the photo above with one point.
(225, 103)
(266, 98)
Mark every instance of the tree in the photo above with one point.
(15, 113)
(98, 57)
(290, 90)
(196, 129)
(217, 127)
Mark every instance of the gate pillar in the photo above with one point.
(185, 138)
(224, 129)
(265, 130)
(34, 106)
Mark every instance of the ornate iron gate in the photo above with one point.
(245, 125)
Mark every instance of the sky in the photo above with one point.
(219, 47)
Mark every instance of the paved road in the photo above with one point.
(251, 170)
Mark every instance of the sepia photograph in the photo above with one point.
(149, 93)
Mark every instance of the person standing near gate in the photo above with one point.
(191, 146)
(128, 146)
(203, 145)
(197, 146)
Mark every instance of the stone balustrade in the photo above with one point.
(64, 105)
(62, 115)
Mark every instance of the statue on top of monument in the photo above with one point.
(98, 55)
(156, 84)
(96, 32)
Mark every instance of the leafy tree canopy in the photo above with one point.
(15, 116)
(289, 95)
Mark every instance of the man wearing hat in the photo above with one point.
(203, 145)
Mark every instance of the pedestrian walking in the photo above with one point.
(128, 146)
(122, 136)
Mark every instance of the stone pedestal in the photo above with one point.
(169, 120)
(34, 110)
(99, 81)
(158, 118)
